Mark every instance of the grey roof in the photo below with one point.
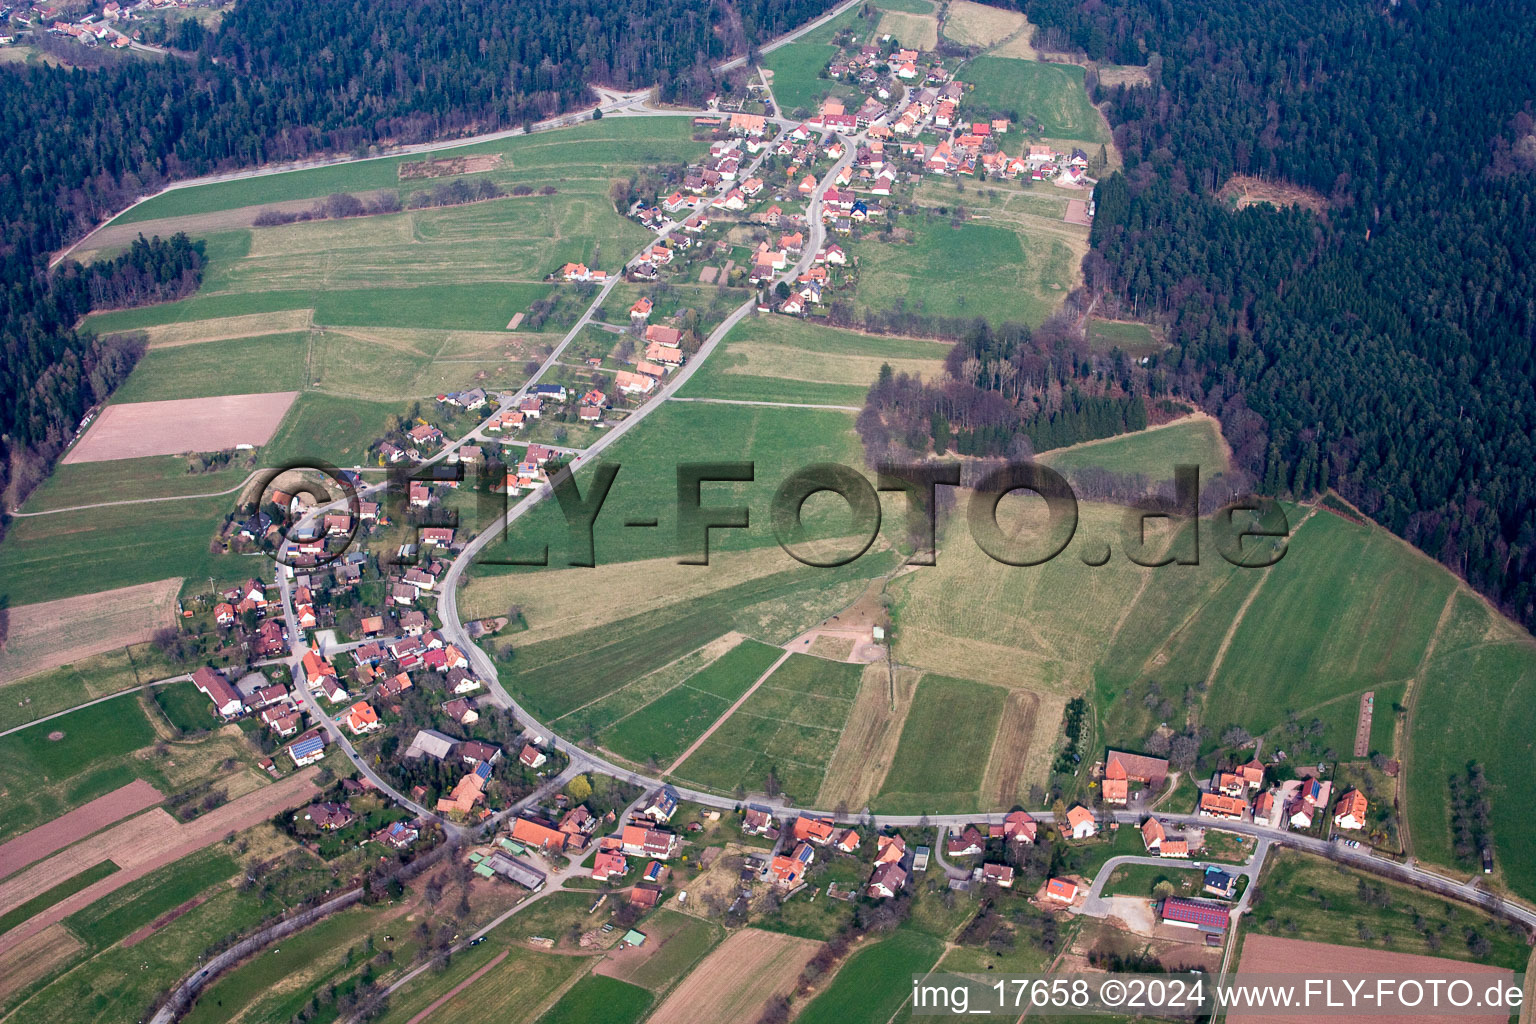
(431, 743)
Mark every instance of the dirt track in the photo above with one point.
(140, 846)
(76, 825)
(181, 425)
(460, 987)
(39, 637)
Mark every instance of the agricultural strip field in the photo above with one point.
(39, 637)
(735, 982)
(867, 748)
(876, 981)
(998, 271)
(1150, 453)
(264, 363)
(662, 729)
(60, 689)
(946, 743)
(1275, 955)
(131, 908)
(788, 727)
(1052, 94)
(779, 359)
(158, 476)
(137, 854)
(65, 889)
(170, 427)
(571, 676)
(75, 825)
(40, 775)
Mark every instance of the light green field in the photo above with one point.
(662, 729)
(1474, 701)
(597, 999)
(1135, 340)
(996, 271)
(946, 742)
(274, 362)
(1149, 453)
(789, 727)
(782, 359)
(583, 156)
(1349, 608)
(777, 441)
(71, 553)
(1052, 94)
(65, 687)
(876, 981)
(582, 679)
(87, 483)
(797, 67)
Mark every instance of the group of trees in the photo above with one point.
(1377, 339)
(1009, 391)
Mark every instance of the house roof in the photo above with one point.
(1079, 815)
(1352, 804)
(1206, 915)
(1061, 889)
(1136, 767)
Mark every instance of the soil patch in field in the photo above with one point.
(160, 922)
(181, 425)
(1270, 954)
(448, 167)
(737, 980)
(1123, 74)
(37, 637)
(1241, 190)
(1009, 768)
(973, 24)
(867, 747)
(77, 824)
(1077, 212)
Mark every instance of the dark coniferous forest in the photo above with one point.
(282, 79)
(1386, 345)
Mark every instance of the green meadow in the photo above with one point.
(946, 742)
(1150, 453)
(662, 729)
(1052, 94)
(997, 271)
(788, 727)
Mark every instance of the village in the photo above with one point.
(111, 26)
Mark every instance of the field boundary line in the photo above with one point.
(1402, 729)
(142, 501)
(782, 658)
(1237, 620)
